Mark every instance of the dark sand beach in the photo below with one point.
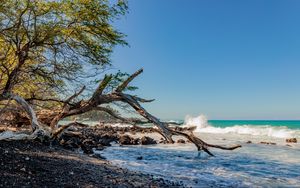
(32, 164)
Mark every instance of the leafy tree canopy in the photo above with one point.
(50, 43)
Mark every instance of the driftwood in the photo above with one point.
(98, 98)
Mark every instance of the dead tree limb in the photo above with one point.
(98, 98)
(27, 108)
(123, 86)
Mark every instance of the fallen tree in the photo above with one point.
(72, 106)
(46, 46)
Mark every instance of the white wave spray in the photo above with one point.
(202, 126)
(200, 122)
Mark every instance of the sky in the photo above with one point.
(228, 59)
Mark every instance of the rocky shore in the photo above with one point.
(90, 138)
(34, 164)
(70, 161)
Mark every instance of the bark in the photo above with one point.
(25, 106)
(71, 108)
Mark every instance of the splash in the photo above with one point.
(255, 130)
(200, 122)
(202, 126)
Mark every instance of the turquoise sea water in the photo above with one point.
(291, 124)
(253, 165)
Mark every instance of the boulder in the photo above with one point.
(291, 140)
(181, 141)
(145, 140)
(107, 138)
(127, 140)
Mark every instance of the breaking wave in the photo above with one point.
(202, 126)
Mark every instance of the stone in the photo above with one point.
(127, 140)
(87, 149)
(145, 140)
(291, 140)
(268, 143)
(99, 147)
(181, 141)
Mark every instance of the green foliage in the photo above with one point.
(94, 116)
(50, 43)
(118, 78)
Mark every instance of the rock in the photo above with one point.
(163, 142)
(291, 140)
(145, 140)
(127, 140)
(87, 149)
(181, 141)
(90, 142)
(249, 142)
(62, 142)
(268, 143)
(98, 156)
(74, 142)
(99, 147)
(137, 141)
(139, 158)
(106, 139)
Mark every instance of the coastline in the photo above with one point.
(132, 163)
(32, 164)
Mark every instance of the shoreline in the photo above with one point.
(32, 164)
(64, 162)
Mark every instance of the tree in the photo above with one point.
(49, 45)
(65, 39)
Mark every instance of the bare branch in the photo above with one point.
(143, 100)
(123, 86)
(30, 112)
(102, 86)
(76, 94)
(115, 115)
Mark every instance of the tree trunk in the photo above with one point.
(97, 99)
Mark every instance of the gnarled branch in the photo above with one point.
(123, 86)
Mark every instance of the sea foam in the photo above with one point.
(202, 126)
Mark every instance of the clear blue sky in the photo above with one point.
(226, 59)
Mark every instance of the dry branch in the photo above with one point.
(98, 99)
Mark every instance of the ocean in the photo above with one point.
(253, 165)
